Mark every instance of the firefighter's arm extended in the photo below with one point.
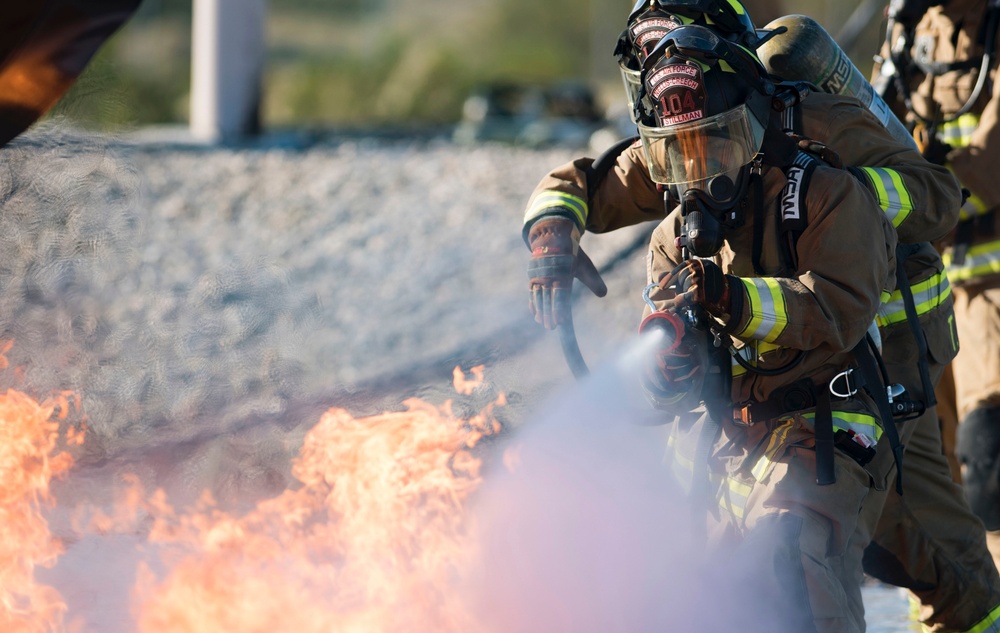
(920, 199)
(560, 210)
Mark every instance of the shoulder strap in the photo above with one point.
(794, 212)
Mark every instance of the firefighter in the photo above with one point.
(951, 569)
(927, 540)
(792, 456)
(797, 301)
(940, 58)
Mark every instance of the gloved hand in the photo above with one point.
(935, 151)
(556, 258)
(675, 368)
(825, 153)
(699, 282)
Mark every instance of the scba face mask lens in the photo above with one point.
(691, 153)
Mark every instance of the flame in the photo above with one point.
(374, 537)
(29, 433)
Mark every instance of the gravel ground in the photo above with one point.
(208, 303)
(186, 292)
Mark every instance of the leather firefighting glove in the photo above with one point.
(700, 282)
(814, 147)
(674, 368)
(556, 258)
(935, 151)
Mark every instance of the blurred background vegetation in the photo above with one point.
(362, 63)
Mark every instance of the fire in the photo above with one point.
(374, 537)
(29, 460)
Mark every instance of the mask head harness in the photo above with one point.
(702, 109)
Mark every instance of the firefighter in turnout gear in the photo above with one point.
(792, 456)
(941, 553)
(798, 300)
(927, 540)
(938, 68)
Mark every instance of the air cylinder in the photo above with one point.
(806, 52)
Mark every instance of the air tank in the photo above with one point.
(806, 52)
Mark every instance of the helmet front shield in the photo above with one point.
(689, 150)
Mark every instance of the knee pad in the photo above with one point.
(978, 449)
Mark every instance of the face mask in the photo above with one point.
(709, 211)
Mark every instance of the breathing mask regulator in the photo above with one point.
(702, 110)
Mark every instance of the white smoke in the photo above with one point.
(588, 532)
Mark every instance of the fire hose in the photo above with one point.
(567, 333)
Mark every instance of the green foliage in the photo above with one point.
(111, 94)
(359, 62)
(345, 62)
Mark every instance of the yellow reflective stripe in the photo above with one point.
(768, 316)
(927, 295)
(958, 133)
(764, 464)
(862, 423)
(546, 201)
(989, 624)
(731, 494)
(751, 353)
(682, 466)
(738, 370)
(983, 259)
(891, 192)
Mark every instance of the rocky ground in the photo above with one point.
(188, 292)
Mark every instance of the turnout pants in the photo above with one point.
(977, 399)
(787, 540)
(928, 540)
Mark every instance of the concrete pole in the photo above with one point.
(227, 58)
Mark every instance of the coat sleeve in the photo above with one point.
(974, 164)
(845, 263)
(921, 200)
(624, 196)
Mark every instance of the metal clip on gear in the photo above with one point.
(850, 390)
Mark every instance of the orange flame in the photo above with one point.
(374, 537)
(29, 432)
